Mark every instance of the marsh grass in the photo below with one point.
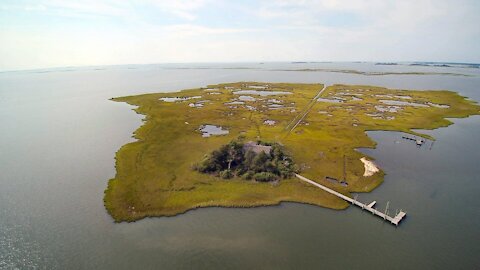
(155, 176)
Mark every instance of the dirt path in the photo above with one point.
(294, 123)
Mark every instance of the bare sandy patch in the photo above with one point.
(370, 167)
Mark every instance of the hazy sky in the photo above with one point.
(52, 33)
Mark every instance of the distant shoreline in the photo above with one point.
(260, 63)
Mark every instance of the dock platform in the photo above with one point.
(370, 207)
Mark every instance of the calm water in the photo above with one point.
(59, 134)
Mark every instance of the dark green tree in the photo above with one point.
(232, 160)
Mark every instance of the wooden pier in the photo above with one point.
(419, 142)
(370, 207)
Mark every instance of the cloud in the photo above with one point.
(104, 8)
(374, 12)
(185, 9)
(59, 32)
(188, 30)
(377, 25)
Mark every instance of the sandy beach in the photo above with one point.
(370, 167)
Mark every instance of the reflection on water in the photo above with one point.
(269, 122)
(402, 103)
(246, 98)
(60, 134)
(392, 109)
(333, 100)
(211, 130)
(443, 106)
(261, 93)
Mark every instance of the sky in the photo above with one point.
(58, 33)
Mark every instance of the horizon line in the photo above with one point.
(242, 62)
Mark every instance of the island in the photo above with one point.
(196, 147)
(376, 73)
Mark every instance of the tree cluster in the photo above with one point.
(233, 160)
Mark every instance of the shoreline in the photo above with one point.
(238, 193)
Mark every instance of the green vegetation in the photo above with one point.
(155, 176)
(262, 162)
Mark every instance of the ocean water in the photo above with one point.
(59, 134)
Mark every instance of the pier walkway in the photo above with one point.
(370, 207)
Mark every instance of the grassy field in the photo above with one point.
(155, 176)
